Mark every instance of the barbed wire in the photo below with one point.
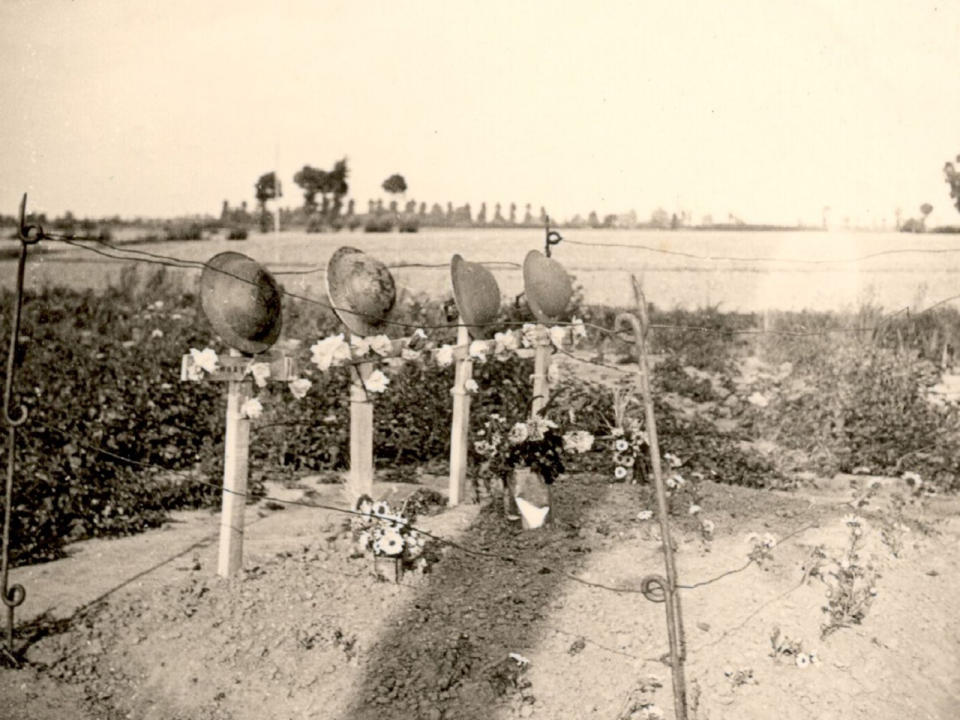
(169, 261)
(741, 258)
(536, 566)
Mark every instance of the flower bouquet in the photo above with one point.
(524, 454)
(382, 532)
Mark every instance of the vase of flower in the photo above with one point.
(533, 498)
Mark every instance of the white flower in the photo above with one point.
(260, 372)
(538, 427)
(484, 448)
(577, 330)
(758, 399)
(912, 479)
(251, 409)
(329, 351)
(158, 305)
(445, 355)
(205, 359)
(674, 461)
(505, 342)
(157, 333)
(518, 433)
(381, 508)
(176, 316)
(620, 472)
(802, 660)
(377, 382)
(627, 461)
(408, 354)
(558, 335)
(621, 445)
(852, 520)
(644, 514)
(359, 345)
(769, 540)
(617, 432)
(390, 543)
(707, 526)
(300, 387)
(578, 441)
(520, 659)
(471, 386)
(479, 349)
(694, 509)
(194, 372)
(381, 345)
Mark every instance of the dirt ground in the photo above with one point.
(142, 627)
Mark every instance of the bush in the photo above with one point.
(378, 224)
(183, 231)
(237, 233)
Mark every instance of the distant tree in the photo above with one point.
(371, 207)
(336, 187)
(395, 184)
(543, 215)
(350, 208)
(926, 209)
(659, 218)
(423, 210)
(513, 213)
(953, 180)
(610, 221)
(482, 214)
(527, 215)
(266, 188)
(393, 207)
(224, 211)
(706, 220)
(592, 219)
(411, 207)
(450, 217)
(468, 214)
(899, 216)
(311, 180)
(497, 217)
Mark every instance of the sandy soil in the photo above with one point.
(142, 627)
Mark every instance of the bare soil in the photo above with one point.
(142, 627)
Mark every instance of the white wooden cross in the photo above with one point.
(234, 370)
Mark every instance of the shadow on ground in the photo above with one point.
(448, 655)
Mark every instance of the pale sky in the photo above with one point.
(769, 110)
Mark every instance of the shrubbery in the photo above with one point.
(101, 370)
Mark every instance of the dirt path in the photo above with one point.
(308, 632)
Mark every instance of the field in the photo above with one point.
(842, 446)
(893, 281)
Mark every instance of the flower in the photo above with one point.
(484, 448)
(359, 345)
(390, 543)
(621, 445)
(813, 658)
(627, 461)
(620, 472)
(707, 526)
(478, 349)
(617, 432)
(381, 508)
(417, 340)
(578, 441)
(802, 660)
(674, 461)
(377, 382)
(769, 540)
(852, 520)
(260, 372)
(445, 355)
(518, 433)
(300, 387)
(157, 333)
(558, 335)
(471, 386)
(365, 505)
(363, 541)
(528, 334)
(912, 479)
(758, 399)
(694, 509)
(381, 345)
(505, 343)
(205, 359)
(408, 354)
(329, 351)
(644, 514)
(251, 409)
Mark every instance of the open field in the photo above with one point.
(768, 275)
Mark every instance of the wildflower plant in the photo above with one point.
(851, 586)
(791, 650)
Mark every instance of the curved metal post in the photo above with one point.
(657, 588)
(14, 595)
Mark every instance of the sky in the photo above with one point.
(767, 110)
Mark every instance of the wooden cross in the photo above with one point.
(233, 369)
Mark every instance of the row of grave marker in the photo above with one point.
(242, 301)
